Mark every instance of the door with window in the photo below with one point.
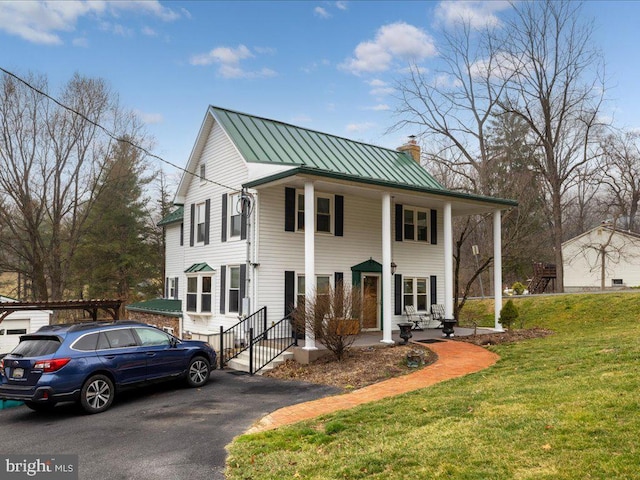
(371, 301)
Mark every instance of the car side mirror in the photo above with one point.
(173, 342)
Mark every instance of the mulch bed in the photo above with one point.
(508, 336)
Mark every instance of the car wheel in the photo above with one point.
(40, 406)
(198, 372)
(97, 394)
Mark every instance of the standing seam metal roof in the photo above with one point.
(260, 140)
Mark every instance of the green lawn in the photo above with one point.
(563, 407)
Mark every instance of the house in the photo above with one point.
(583, 259)
(19, 323)
(267, 212)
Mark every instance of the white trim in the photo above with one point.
(448, 262)
(309, 256)
(386, 269)
(497, 267)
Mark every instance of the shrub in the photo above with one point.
(508, 314)
(518, 288)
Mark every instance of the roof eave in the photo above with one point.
(500, 203)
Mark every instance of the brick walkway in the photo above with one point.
(455, 359)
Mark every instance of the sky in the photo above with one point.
(325, 65)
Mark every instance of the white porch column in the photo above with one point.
(448, 262)
(386, 268)
(497, 266)
(309, 259)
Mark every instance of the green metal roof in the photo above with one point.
(199, 267)
(268, 141)
(162, 306)
(176, 216)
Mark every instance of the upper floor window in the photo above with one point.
(203, 173)
(235, 215)
(323, 213)
(415, 224)
(201, 221)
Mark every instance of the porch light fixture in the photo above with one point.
(393, 268)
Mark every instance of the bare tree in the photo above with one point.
(557, 89)
(620, 174)
(51, 162)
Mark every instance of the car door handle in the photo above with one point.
(151, 354)
(109, 357)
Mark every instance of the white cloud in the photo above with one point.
(80, 42)
(228, 60)
(376, 82)
(360, 127)
(42, 22)
(394, 41)
(149, 32)
(150, 118)
(341, 5)
(321, 12)
(381, 107)
(476, 13)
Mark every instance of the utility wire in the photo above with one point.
(110, 134)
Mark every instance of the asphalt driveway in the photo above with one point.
(161, 432)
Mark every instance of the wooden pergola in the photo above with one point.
(112, 307)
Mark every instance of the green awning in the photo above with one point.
(199, 267)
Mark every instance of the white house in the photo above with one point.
(583, 259)
(20, 323)
(269, 211)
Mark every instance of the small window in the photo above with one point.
(205, 297)
(16, 331)
(86, 343)
(203, 172)
(415, 293)
(201, 221)
(415, 224)
(192, 294)
(169, 330)
(150, 337)
(234, 289)
(323, 213)
(323, 284)
(235, 214)
(617, 281)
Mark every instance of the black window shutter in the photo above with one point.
(434, 290)
(243, 290)
(207, 222)
(289, 291)
(289, 209)
(176, 294)
(434, 227)
(243, 220)
(182, 234)
(223, 288)
(339, 207)
(193, 224)
(397, 294)
(223, 227)
(398, 222)
(166, 288)
(338, 278)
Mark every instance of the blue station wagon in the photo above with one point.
(90, 362)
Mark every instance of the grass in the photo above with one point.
(562, 407)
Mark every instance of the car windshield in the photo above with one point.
(36, 346)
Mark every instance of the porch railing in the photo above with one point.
(265, 347)
(235, 340)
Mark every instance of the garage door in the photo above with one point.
(10, 331)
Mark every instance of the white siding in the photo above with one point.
(279, 251)
(33, 320)
(582, 263)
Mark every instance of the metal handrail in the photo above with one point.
(265, 347)
(235, 340)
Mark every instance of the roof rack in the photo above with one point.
(74, 327)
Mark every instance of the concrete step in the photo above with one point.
(241, 362)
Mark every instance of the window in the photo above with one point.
(415, 293)
(617, 282)
(323, 284)
(323, 213)
(192, 294)
(150, 337)
(235, 215)
(16, 331)
(203, 173)
(205, 296)
(173, 287)
(199, 288)
(86, 343)
(415, 224)
(234, 289)
(201, 221)
(121, 338)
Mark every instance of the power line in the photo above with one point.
(112, 135)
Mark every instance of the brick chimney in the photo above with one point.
(412, 147)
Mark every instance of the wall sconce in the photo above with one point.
(393, 268)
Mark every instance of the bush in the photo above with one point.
(508, 314)
(518, 288)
